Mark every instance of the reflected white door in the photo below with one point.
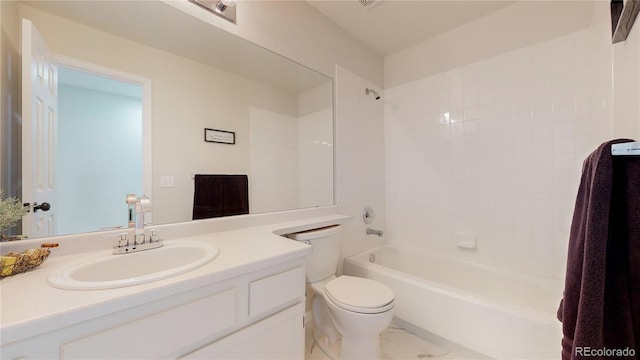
(39, 124)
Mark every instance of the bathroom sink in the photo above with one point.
(110, 271)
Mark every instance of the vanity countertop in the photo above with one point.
(29, 306)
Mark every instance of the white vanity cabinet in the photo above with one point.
(255, 315)
(276, 337)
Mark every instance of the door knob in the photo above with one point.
(45, 206)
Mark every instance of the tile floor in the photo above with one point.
(397, 344)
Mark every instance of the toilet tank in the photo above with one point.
(325, 242)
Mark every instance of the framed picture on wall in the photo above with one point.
(219, 136)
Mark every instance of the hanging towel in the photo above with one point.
(220, 195)
(600, 308)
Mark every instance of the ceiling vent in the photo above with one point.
(369, 4)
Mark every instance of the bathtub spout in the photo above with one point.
(371, 231)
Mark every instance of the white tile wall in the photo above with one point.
(360, 165)
(274, 161)
(495, 149)
(315, 143)
(291, 160)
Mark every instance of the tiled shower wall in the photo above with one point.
(493, 150)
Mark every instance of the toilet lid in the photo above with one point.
(359, 294)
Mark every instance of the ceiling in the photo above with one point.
(387, 26)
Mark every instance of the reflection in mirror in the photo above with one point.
(99, 147)
(199, 77)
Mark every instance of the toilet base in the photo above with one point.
(328, 347)
(331, 323)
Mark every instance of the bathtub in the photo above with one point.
(500, 313)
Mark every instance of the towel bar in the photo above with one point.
(628, 148)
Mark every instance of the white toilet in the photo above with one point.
(345, 309)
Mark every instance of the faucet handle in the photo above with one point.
(123, 241)
(131, 199)
(139, 239)
(143, 204)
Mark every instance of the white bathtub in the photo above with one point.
(500, 313)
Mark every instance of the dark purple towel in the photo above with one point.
(220, 195)
(601, 305)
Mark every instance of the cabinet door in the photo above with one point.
(280, 336)
(160, 334)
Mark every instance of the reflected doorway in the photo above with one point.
(100, 150)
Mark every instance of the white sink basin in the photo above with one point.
(110, 271)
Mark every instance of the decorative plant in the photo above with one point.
(11, 211)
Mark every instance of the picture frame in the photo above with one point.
(219, 136)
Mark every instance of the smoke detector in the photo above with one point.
(369, 4)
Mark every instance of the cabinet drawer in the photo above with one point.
(276, 290)
(160, 334)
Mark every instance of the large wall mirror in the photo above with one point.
(138, 82)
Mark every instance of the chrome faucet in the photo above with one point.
(139, 205)
(371, 231)
(143, 205)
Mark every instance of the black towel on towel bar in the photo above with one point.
(220, 195)
(601, 305)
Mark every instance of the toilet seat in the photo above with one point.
(359, 295)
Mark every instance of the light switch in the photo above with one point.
(166, 181)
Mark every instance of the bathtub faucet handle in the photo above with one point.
(371, 231)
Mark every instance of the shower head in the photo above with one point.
(367, 91)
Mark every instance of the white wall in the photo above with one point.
(521, 24)
(626, 81)
(360, 168)
(494, 148)
(317, 99)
